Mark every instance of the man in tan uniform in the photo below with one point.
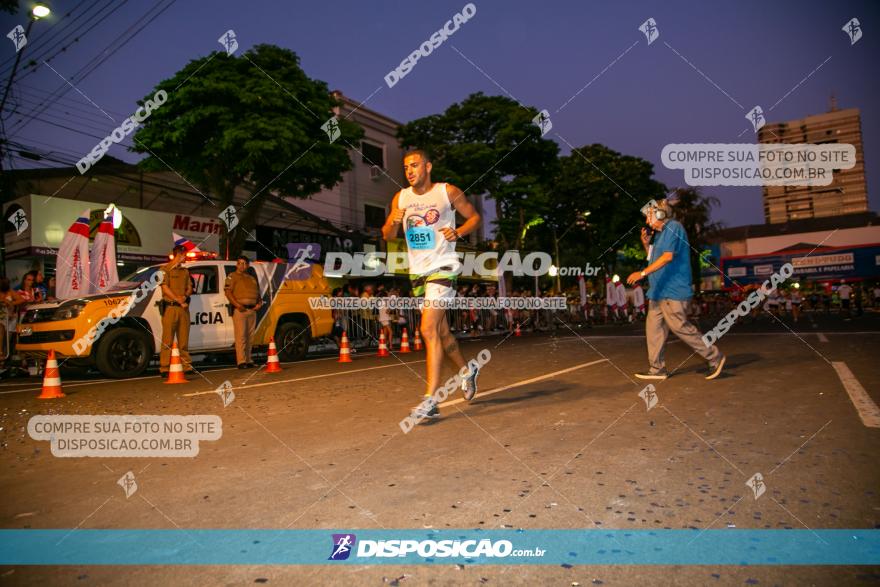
(243, 292)
(176, 290)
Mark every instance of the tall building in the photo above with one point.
(848, 191)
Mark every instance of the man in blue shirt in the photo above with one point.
(669, 276)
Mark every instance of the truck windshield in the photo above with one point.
(135, 279)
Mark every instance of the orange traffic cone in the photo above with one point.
(272, 364)
(383, 348)
(404, 342)
(417, 341)
(175, 369)
(344, 350)
(51, 379)
(517, 331)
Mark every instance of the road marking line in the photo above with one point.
(822, 337)
(205, 369)
(642, 336)
(865, 406)
(69, 385)
(265, 383)
(523, 382)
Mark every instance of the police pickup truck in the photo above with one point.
(120, 331)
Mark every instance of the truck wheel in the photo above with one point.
(293, 339)
(123, 352)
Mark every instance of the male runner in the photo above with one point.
(427, 211)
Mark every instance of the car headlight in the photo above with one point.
(69, 311)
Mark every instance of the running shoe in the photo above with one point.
(659, 375)
(427, 410)
(469, 384)
(715, 370)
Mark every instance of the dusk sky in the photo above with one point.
(542, 54)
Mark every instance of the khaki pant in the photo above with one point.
(244, 322)
(671, 315)
(175, 320)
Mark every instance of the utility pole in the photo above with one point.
(7, 183)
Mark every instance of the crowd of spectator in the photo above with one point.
(34, 288)
(608, 303)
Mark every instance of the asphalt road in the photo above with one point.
(558, 438)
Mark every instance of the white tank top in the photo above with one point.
(424, 216)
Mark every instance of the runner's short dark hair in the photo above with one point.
(421, 152)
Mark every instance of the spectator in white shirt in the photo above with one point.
(845, 293)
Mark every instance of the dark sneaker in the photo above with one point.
(659, 375)
(469, 384)
(427, 410)
(715, 370)
(242, 365)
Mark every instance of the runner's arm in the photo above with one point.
(463, 206)
(391, 228)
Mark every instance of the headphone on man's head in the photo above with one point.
(659, 213)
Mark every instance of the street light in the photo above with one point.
(114, 213)
(40, 10)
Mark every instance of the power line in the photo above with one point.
(96, 61)
(51, 31)
(125, 42)
(80, 116)
(75, 35)
(34, 92)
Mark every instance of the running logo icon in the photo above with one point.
(543, 122)
(650, 30)
(225, 392)
(301, 257)
(854, 30)
(331, 127)
(18, 38)
(128, 484)
(648, 394)
(343, 544)
(229, 217)
(756, 484)
(19, 220)
(229, 42)
(756, 117)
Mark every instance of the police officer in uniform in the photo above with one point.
(176, 290)
(243, 293)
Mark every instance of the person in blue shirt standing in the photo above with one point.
(669, 276)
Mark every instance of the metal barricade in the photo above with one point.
(362, 327)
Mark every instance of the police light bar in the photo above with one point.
(197, 255)
(200, 255)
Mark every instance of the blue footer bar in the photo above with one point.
(395, 547)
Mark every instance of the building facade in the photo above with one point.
(360, 202)
(847, 193)
(347, 217)
(821, 250)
